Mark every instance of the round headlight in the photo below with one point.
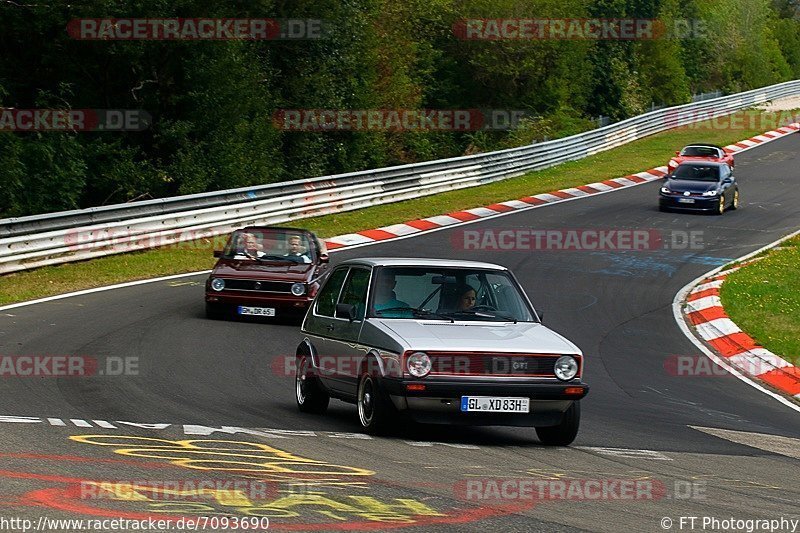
(710, 193)
(566, 368)
(217, 284)
(298, 289)
(665, 190)
(419, 364)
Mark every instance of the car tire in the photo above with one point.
(375, 410)
(663, 209)
(214, 311)
(735, 202)
(308, 392)
(564, 433)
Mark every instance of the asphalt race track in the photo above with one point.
(713, 446)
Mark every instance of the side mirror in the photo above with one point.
(217, 253)
(677, 152)
(729, 179)
(347, 311)
(324, 258)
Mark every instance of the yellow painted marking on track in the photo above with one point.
(221, 455)
(255, 461)
(183, 283)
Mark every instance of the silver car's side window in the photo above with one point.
(329, 294)
(355, 291)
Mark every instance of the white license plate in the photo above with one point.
(494, 404)
(258, 311)
(686, 200)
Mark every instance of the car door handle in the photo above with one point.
(329, 327)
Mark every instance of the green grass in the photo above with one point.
(628, 159)
(764, 300)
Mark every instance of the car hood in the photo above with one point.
(678, 185)
(523, 337)
(249, 269)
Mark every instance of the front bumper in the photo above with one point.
(704, 203)
(285, 303)
(440, 402)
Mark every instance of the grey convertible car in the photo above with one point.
(439, 341)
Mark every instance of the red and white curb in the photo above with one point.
(414, 227)
(502, 208)
(698, 311)
(703, 309)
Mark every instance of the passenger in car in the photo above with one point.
(248, 247)
(297, 252)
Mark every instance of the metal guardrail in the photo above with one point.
(29, 242)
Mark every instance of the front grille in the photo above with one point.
(258, 286)
(493, 364)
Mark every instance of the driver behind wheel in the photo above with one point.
(467, 298)
(458, 298)
(297, 252)
(386, 302)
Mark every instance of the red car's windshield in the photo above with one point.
(700, 151)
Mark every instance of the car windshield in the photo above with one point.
(448, 294)
(700, 151)
(697, 173)
(266, 244)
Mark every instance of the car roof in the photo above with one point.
(421, 262)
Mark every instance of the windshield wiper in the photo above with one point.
(416, 312)
(485, 312)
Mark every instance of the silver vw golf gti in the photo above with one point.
(438, 341)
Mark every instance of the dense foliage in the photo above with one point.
(213, 102)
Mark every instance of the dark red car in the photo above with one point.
(266, 271)
(700, 152)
